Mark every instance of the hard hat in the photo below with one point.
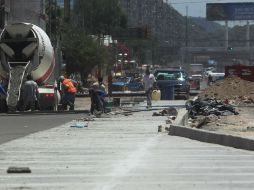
(61, 78)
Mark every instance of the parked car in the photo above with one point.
(126, 84)
(173, 78)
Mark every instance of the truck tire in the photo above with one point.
(3, 106)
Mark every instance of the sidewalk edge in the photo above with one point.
(179, 129)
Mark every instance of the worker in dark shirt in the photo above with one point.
(29, 94)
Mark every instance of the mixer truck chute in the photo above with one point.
(26, 49)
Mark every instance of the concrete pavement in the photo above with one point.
(122, 152)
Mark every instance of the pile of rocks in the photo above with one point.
(233, 89)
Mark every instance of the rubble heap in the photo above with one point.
(233, 89)
(209, 107)
(202, 112)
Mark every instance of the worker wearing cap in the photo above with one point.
(68, 91)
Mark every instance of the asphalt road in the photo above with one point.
(17, 126)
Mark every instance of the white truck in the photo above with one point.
(195, 74)
(26, 49)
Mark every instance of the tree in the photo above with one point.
(82, 53)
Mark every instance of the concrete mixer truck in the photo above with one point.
(26, 49)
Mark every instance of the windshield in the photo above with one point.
(170, 75)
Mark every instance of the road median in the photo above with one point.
(180, 128)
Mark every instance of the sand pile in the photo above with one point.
(234, 89)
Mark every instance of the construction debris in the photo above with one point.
(79, 124)
(19, 170)
(167, 112)
(209, 107)
(200, 121)
(162, 128)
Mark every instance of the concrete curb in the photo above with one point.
(179, 129)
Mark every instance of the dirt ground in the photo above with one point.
(239, 93)
(234, 89)
(239, 125)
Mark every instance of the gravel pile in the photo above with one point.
(232, 89)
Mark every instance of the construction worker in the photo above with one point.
(98, 93)
(29, 94)
(148, 82)
(68, 92)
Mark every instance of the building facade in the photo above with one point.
(23, 11)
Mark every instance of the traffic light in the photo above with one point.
(140, 32)
(146, 32)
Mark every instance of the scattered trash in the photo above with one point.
(79, 124)
(200, 121)
(88, 119)
(97, 113)
(166, 112)
(172, 117)
(19, 170)
(162, 128)
(159, 128)
(169, 121)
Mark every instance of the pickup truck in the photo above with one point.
(172, 78)
(126, 84)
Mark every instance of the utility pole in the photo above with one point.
(226, 34)
(186, 28)
(248, 35)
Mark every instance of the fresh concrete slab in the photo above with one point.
(122, 152)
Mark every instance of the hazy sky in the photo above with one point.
(197, 8)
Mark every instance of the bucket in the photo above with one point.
(156, 95)
(108, 106)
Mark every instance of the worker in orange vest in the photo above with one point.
(68, 92)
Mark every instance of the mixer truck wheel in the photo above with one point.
(3, 106)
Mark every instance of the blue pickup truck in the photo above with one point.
(126, 84)
(173, 83)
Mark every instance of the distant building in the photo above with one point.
(60, 3)
(28, 11)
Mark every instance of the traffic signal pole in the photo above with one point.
(226, 34)
(66, 10)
